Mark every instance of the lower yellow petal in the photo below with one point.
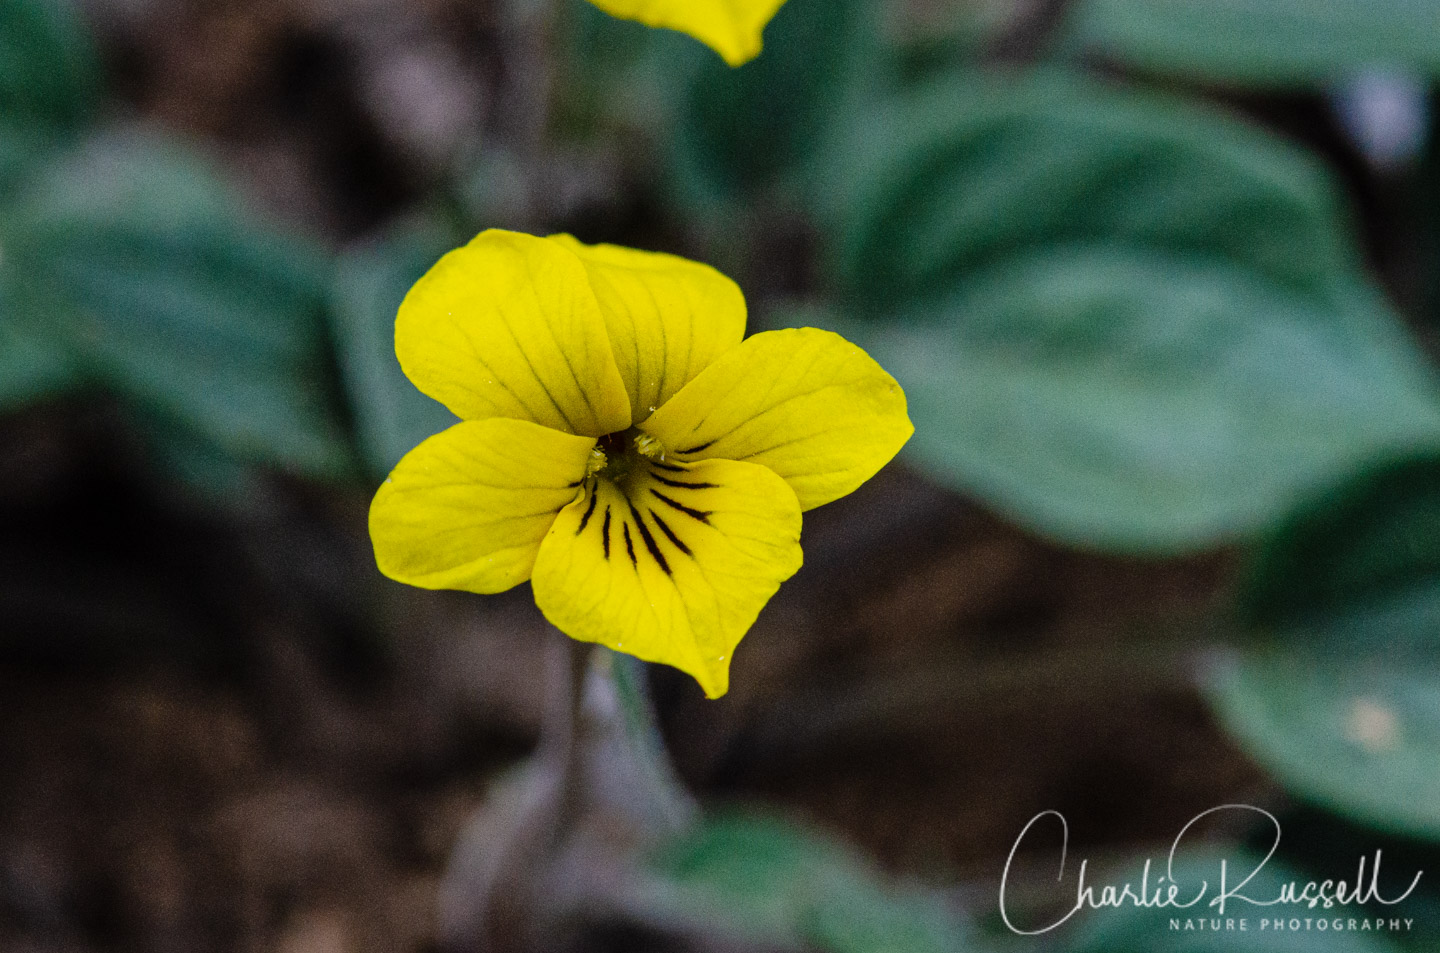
(806, 403)
(467, 509)
(675, 567)
(731, 28)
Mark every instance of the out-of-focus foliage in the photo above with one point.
(1376, 537)
(1148, 402)
(1126, 321)
(925, 188)
(127, 264)
(163, 290)
(391, 416)
(31, 366)
(1351, 730)
(49, 76)
(771, 883)
(48, 85)
(1341, 696)
(735, 134)
(1262, 43)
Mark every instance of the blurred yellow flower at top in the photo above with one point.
(620, 446)
(731, 28)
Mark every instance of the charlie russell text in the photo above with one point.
(1230, 888)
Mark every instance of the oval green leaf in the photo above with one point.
(1341, 698)
(1146, 403)
(391, 416)
(768, 882)
(1265, 43)
(49, 72)
(168, 291)
(925, 189)
(34, 364)
(741, 129)
(1352, 730)
(1376, 536)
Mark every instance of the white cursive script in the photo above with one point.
(1166, 892)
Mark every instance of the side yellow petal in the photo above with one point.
(806, 403)
(731, 28)
(668, 318)
(508, 326)
(468, 508)
(675, 567)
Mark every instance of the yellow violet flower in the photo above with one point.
(731, 28)
(620, 446)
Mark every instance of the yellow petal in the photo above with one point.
(731, 28)
(675, 568)
(668, 318)
(806, 403)
(508, 327)
(467, 509)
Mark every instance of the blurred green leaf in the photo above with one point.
(613, 73)
(391, 415)
(33, 364)
(22, 150)
(770, 882)
(741, 128)
(49, 72)
(1141, 930)
(926, 188)
(1352, 728)
(1341, 697)
(216, 476)
(1148, 403)
(169, 292)
(1261, 42)
(1375, 537)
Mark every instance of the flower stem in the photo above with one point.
(601, 734)
(600, 755)
(670, 807)
(566, 671)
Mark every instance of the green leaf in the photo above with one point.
(23, 149)
(1375, 537)
(924, 189)
(215, 476)
(768, 881)
(1149, 403)
(391, 416)
(169, 292)
(49, 72)
(1341, 701)
(1261, 42)
(742, 128)
(1132, 929)
(34, 365)
(1351, 728)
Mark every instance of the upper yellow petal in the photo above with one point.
(806, 403)
(674, 568)
(508, 326)
(668, 318)
(467, 509)
(731, 28)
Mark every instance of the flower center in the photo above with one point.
(619, 455)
